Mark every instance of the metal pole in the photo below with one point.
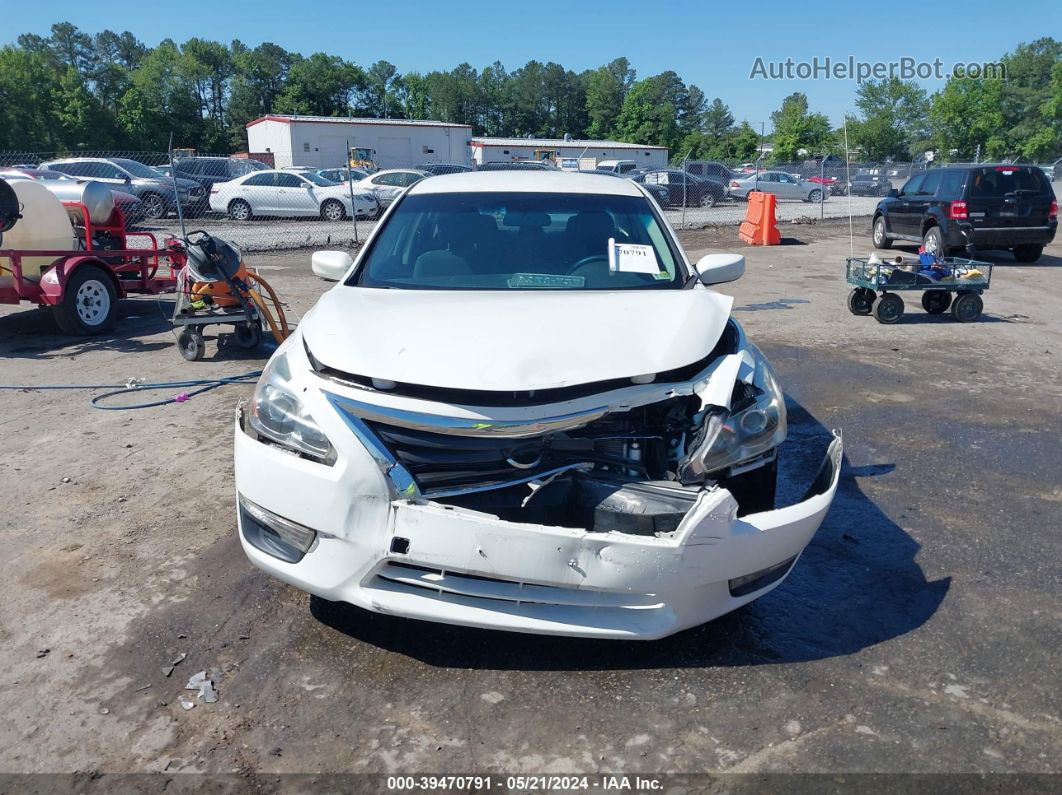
(822, 177)
(350, 187)
(176, 195)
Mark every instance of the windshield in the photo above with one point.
(521, 241)
(317, 179)
(241, 167)
(138, 169)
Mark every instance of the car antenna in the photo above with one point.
(176, 194)
(848, 182)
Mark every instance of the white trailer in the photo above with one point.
(321, 141)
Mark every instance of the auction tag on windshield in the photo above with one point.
(631, 258)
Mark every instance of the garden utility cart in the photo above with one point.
(216, 289)
(949, 283)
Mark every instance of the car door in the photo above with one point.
(918, 203)
(767, 183)
(789, 188)
(104, 172)
(900, 222)
(295, 196)
(258, 190)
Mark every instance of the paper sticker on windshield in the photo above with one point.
(632, 258)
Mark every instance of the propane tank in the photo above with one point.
(44, 226)
(96, 196)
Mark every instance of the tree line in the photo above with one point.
(72, 91)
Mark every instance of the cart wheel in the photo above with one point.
(861, 301)
(889, 309)
(967, 307)
(248, 336)
(191, 345)
(936, 302)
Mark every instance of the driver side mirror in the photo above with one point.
(331, 265)
(893, 193)
(720, 268)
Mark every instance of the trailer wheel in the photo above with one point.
(936, 302)
(90, 303)
(861, 301)
(191, 345)
(967, 307)
(889, 309)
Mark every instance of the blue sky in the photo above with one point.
(713, 45)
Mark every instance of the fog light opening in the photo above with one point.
(282, 538)
(750, 583)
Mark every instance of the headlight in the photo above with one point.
(752, 427)
(278, 414)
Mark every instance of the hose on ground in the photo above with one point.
(197, 386)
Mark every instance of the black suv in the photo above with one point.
(970, 207)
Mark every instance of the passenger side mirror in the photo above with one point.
(331, 265)
(720, 268)
(893, 193)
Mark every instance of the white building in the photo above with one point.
(321, 141)
(486, 150)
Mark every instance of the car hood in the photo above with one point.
(512, 341)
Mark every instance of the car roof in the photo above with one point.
(529, 181)
(397, 171)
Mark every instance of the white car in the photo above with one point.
(287, 194)
(782, 185)
(388, 185)
(523, 408)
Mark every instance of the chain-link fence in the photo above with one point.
(259, 208)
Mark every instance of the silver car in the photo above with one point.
(781, 184)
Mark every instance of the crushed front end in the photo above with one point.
(625, 509)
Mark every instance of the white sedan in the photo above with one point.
(287, 194)
(430, 443)
(388, 185)
(782, 185)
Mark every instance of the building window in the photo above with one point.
(428, 150)
(306, 146)
(505, 151)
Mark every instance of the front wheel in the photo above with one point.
(89, 304)
(815, 196)
(154, 206)
(889, 309)
(333, 210)
(880, 236)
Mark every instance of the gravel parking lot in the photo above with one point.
(919, 632)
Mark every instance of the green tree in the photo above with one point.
(321, 85)
(894, 116)
(966, 117)
(798, 132)
(28, 101)
(380, 90)
(606, 89)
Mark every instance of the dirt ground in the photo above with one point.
(919, 632)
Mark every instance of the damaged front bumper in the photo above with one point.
(368, 545)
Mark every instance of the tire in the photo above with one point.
(239, 210)
(191, 345)
(247, 336)
(861, 301)
(333, 210)
(936, 302)
(967, 307)
(154, 205)
(708, 200)
(90, 302)
(1027, 253)
(889, 309)
(816, 196)
(933, 242)
(880, 236)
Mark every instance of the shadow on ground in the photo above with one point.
(856, 585)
